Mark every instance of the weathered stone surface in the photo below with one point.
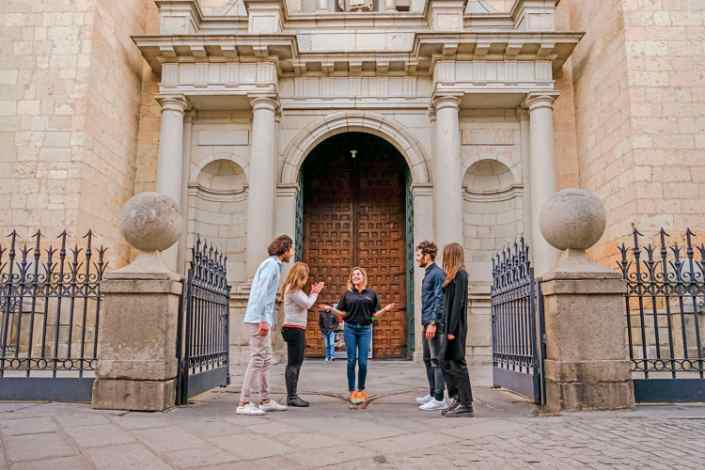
(138, 329)
(151, 222)
(134, 395)
(586, 366)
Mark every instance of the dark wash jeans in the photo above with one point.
(357, 344)
(431, 358)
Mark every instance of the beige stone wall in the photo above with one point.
(602, 111)
(636, 80)
(69, 88)
(665, 53)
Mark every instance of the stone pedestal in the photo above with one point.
(585, 366)
(137, 354)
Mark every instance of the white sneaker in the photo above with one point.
(271, 405)
(249, 409)
(434, 405)
(423, 400)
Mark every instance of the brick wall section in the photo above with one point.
(69, 88)
(45, 50)
(600, 89)
(665, 46)
(638, 79)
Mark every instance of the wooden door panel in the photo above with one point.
(354, 215)
(381, 248)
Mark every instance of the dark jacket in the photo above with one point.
(455, 306)
(327, 321)
(432, 294)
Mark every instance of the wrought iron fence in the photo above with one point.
(49, 315)
(203, 345)
(517, 323)
(665, 316)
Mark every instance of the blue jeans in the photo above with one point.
(329, 339)
(357, 344)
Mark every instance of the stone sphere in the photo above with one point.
(151, 222)
(573, 219)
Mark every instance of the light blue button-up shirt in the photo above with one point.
(263, 293)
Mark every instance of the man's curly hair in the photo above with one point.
(428, 248)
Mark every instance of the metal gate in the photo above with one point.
(202, 343)
(49, 317)
(665, 317)
(517, 324)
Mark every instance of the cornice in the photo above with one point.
(428, 48)
(484, 45)
(242, 47)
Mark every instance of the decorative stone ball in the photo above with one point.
(573, 219)
(151, 222)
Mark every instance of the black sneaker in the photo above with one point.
(297, 402)
(460, 411)
(452, 404)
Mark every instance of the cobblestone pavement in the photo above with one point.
(390, 434)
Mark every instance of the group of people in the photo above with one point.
(444, 318)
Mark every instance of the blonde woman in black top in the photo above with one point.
(358, 307)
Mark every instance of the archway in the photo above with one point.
(356, 211)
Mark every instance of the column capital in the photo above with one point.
(446, 101)
(270, 102)
(178, 103)
(540, 100)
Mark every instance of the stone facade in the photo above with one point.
(505, 100)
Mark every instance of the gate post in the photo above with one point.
(137, 364)
(586, 366)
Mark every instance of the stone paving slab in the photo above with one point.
(390, 434)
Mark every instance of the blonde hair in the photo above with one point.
(453, 261)
(364, 277)
(297, 279)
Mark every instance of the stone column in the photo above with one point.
(260, 197)
(171, 155)
(137, 363)
(525, 146)
(423, 211)
(586, 364)
(542, 173)
(447, 172)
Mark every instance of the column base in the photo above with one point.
(588, 385)
(133, 395)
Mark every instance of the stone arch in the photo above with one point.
(221, 175)
(388, 129)
(489, 176)
(216, 210)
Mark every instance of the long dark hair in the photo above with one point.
(453, 261)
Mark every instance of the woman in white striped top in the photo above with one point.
(297, 302)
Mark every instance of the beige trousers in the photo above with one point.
(255, 380)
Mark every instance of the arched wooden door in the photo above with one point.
(354, 215)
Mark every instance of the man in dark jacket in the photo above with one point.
(431, 305)
(328, 323)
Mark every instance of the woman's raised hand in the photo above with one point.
(317, 287)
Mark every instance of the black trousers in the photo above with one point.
(455, 370)
(434, 374)
(295, 345)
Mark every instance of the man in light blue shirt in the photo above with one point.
(258, 322)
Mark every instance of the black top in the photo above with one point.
(455, 305)
(359, 306)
